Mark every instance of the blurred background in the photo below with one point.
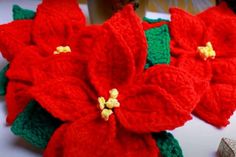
(100, 10)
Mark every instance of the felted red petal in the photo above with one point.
(217, 105)
(56, 24)
(17, 97)
(60, 66)
(128, 27)
(129, 144)
(222, 36)
(89, 137)
(112, 64)
(41, 69)
(85, 39)
(66, 98)
(55, 145)
(99, 138)
(186, 32)
(219, 100)
(14, 36)
(21, 67)
(164, 102)
(194, 65)
(220, 11)
(224, 71)
(178, 83)
(31, 68)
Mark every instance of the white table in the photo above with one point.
(197, 138)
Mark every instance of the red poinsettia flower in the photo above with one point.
(112, 109)
(55, 29)
(204, 46)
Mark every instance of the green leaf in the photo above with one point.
(35, 125)
(154, 20)
(168, 145)
(3, 80)
(20, 13)
(158, 40)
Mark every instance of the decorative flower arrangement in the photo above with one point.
(102, 90)
(203, 45)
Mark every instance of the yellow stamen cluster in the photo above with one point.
(207, 51)
(62, 49)
(107, 106)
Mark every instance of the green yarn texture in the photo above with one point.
(3, 80)
(168, 145)
(20, 13)
(35, 125)
(154, 20)
(158, 40)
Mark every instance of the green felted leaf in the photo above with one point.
(158, 40)
(3, 80)
(168, 145)
(154, 20)
(35, 125)
(20, 13)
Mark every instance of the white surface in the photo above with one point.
(197, 138)
(154, 15)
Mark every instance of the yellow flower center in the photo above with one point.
(62, 49)
(107, 106)
(206, 51)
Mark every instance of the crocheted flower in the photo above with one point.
(204, 46)
(112, 109)
(55, 29)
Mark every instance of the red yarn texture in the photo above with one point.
(24, 42)
(147, 25)
(217, 25)
(160, 98)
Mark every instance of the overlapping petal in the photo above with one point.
(219, 11)
(16, 98)
(109, 140)
(218, 25)
(14, 37)
(217, 105)
(36, 71)
(55, 145)
(224, 71)
(112, 65)
(127, 26)
(214, 25)
(164, 101)
(186, 32)
(222, 36)
(57, 24)
(66, 98)
(20, 67)
(201, 70)
(39, 69)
